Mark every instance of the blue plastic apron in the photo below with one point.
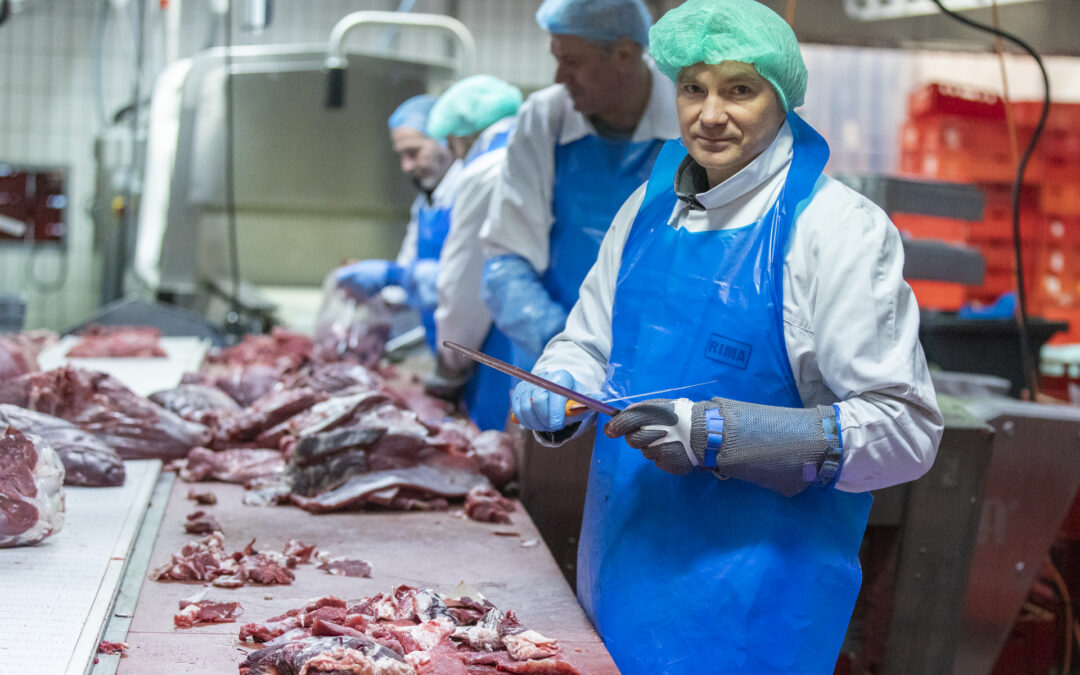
(691, 574)
(487, 395)
(593, 177)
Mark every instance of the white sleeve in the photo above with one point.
(583, 347)
(408, 245)
(461, 316)
(865, 325)
(520, 218)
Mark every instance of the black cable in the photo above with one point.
(232, 322)
(1030, 375)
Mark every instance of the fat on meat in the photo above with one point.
(118, 342)
(135, 427)
(197, 612)
(337, 655)
(334, 377)
(87, 460)
(234, 465)
(268, 411)
(494, 455)
(245, 384)
(206, 560)
(31, 490)
(199, 403)
(486, 505)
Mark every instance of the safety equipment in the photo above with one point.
(780, 449)
(537, 408)
(780, 573)
(365, 278)
(419, 281)
(520, 306)
(412, 114)
(714, 31)
(603, 20)
(471, 105)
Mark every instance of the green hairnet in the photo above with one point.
(472, 105)
(714, 31)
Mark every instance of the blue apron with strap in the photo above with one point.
(593, 177)
(432, 226)
(487, 394)
(691, 574)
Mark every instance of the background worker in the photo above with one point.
(475, 116)
(432, 168)
(581, 146)
(730, 542)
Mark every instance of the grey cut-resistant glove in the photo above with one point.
(781, 449)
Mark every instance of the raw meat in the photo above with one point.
(204, 497)
(113, 648)
(488, 506)
(99, 404)
(235, 465)
(494, 455)
(346, 568)
(118, 342)
(268, 411)
(244, 384)
(206, 560)
(202, 523)
(193, 613)
(281, 347)
(336, 655)
(31, 490)
(19, 352)
(334, 377)
(197, 403)
(87, 460)
(432, 633)
(395, 488)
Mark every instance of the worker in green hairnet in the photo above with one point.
(722, 527)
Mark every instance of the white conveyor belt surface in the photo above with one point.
(142, 376)
(55, 597)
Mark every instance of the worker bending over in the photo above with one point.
(432, 168)
(729, 543)
(475, 116)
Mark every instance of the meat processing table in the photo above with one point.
(435, 550)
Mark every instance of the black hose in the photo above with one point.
(1030, 374)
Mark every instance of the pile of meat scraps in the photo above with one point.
(406, 631)
(141, 342)
(31, 489)
(135, 427)
(331, 436)
(206, 560)
(88, 462)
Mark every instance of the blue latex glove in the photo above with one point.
(419, 281)
(537, 408)
(520, 305)
(365, 278)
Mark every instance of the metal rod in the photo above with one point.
(525, 375)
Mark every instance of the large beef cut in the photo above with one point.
(87, 460)
(135, 427)
(234, 465)
(31, 489)
(266, 412)
(19, 352)
(140, 342)
(199, 403)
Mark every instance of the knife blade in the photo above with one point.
(492, 362)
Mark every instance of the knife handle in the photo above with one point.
(573, 409)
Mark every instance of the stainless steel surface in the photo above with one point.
(336, 58)
(314, 186)
(123, 609)
(492, 362)
(941, 261)
(1034, 475)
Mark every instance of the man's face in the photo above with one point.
(728, 115)
(588, 71)
(422, 158)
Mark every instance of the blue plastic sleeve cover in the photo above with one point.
(394, 274)
(520, 305)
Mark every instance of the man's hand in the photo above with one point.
(537, 408)
(365, 278)
(660, 428)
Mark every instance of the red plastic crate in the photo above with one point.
(940, 295)
(928, 227)
(1060, 229)
(950, 99)
(1062, 199)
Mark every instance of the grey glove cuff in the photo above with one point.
(781, 449)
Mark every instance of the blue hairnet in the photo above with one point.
(603, 20)
(472, 105)
(413, 113)
(714, 31)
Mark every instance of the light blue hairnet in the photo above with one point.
(714, 31)
(472, 105)
(603, 20)
(413, 113)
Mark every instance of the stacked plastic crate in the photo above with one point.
(958, 134)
